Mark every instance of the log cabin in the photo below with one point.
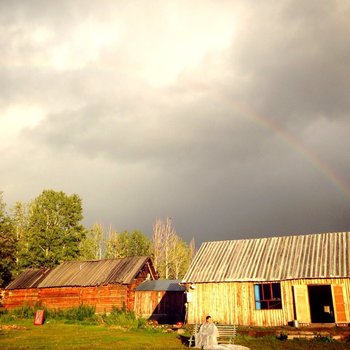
(103, 284)
(275, 281)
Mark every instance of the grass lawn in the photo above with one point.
(271, 343)
(60, 335)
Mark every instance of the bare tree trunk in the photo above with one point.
(157, 239)
(163, 239)
(193, 247)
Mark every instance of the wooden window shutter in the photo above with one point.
(339, 304)
(302, 306)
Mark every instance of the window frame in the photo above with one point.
(268, 296)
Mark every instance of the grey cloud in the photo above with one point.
(135, 152)
(298, 60)
(189, 136)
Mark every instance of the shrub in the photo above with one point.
(123, 318)
(6, 317)
(323, 338)
(23, 312)
(282, 336)
(81, 313)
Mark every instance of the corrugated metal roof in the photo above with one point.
(161, 285)
(322, 255)
(28, 279)
(94, 272)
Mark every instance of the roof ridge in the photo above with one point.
(283, 236)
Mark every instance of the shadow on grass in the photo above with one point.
(184, 340)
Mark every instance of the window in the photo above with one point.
(267, 296)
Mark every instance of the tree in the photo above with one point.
(121, 245)
(20, 225)
(171, 255)
(8, 244)
(179, 257)
(54, 229)
(163, 242)
(92, 246)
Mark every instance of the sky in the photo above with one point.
(230, 117)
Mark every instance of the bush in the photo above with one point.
(5, 317)
(324, 338)
(123, 318)
(81, 313)
(3, 311)
(23, 312)
(282, 336)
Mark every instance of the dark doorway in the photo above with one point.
(321, 304)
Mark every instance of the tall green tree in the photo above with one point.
(8, 245)
(54, 229)
(121, 245)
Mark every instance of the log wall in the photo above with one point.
(104, 298)
(234, 302)
(17, 298)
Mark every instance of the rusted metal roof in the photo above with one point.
(161, 285)
(30, 278)
(324, 255)
(95, 272)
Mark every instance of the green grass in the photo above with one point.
(272, 343)
(59, 335)
(20, 333)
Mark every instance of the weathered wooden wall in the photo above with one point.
(20, 297)
(101, 297)
(162, 306)
(234, 302)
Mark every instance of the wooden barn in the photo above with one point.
(161, 300)
(103, 284)
(299, 280)
(23, 290)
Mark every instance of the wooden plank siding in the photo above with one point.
(234, 302)
(17, 298)
(160, 305)
(101, 297)
(104, 298)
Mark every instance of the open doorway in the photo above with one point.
(321, 304)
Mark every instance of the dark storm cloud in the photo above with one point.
(297, 59)
(210, 148)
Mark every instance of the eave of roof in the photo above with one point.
(29, 278)
(161, 285)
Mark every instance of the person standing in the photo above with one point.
(206, 338)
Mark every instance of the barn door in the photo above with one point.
(301, 301)
(339, 305)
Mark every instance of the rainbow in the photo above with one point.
(337, 179)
